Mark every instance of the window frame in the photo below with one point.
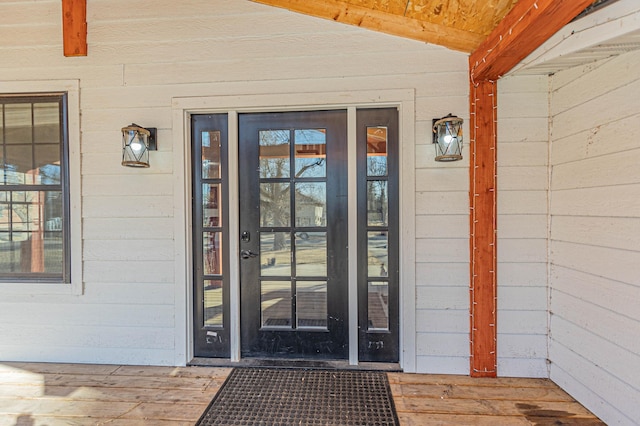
(71, 282)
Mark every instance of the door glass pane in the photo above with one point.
(275, 298)
(46, 122)
(275, 254)
(311, 254)
(210, 155)
(311, 152)
(212, 248)
(311, 304)
(377, 203)
(378, 299)
(311, 204)
(211, 208)
(275, 205)
(47, 163)
(377, 151)
(213, 314)
(274, 153)
(378, 254)
(17, 123)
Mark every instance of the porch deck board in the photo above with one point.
(79, 394)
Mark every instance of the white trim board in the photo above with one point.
(183, 107)
(72, 88)
(575, 44)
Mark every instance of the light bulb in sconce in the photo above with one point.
(136, 144)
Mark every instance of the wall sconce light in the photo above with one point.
(136, 144)
(447, 135)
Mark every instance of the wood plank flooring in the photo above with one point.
(35, 394)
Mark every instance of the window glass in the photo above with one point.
(34, 218)
(377, 151)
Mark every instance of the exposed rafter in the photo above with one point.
(74, 27)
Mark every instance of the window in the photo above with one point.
(34, 189)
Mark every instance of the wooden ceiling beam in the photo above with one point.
(74, 27)
(382, 21)
(529, 24)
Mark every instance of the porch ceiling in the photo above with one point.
(457, 24)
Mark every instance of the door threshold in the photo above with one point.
(306, 364)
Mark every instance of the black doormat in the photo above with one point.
(274, 397)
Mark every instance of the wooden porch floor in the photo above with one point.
(33, 394)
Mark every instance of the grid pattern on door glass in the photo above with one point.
(212, 231)
(377, 229)
(293, 233)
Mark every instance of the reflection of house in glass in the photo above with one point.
(310, 211)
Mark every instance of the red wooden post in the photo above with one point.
(483, 248)
(529, 24)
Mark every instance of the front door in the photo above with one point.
(293, 252)
(293, 230)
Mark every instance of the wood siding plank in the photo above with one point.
(595, 219)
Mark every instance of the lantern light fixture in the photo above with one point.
(447, 136)
(137, 141)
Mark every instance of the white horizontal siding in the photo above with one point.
(595, 252)
(522, 225)
(142, 55)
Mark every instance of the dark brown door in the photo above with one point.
(293, 226)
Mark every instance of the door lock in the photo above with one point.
(247, 254)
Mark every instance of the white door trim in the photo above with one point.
(183, 108)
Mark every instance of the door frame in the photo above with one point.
(182, 108)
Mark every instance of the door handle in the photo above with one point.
(247, 254)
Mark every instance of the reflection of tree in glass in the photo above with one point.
(274, 196)
(275, 163)
(377, 205)
(310, 147)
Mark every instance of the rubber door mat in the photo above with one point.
(264, 396)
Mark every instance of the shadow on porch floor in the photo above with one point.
(36, 394)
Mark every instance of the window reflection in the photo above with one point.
(212, 253)
(378, 302)
(310, 152)
(275, 204)
(210, 154)
(275, 254)
(213, 303)
(311, 304)
(377, 151)
(311, 204)
(274, 153)
(31, 238)
(211, 208)
(378, 254)
(276, 303)
(377, 203)
(311, 254)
